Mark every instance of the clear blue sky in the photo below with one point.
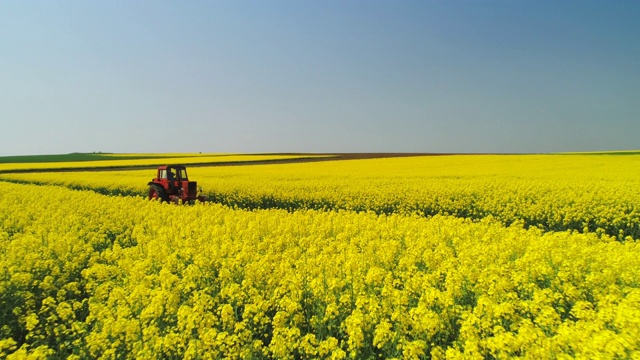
(319, 76)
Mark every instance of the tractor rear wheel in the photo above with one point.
(158, 192)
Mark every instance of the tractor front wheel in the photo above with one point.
(157, 192)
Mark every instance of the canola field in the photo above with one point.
(463, 257)
(586, 193)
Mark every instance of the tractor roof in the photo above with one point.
(164, 167)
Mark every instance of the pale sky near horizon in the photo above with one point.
(319, 76)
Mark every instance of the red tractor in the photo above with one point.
(172, 184)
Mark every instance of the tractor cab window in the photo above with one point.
(182, 174)
(163, 174)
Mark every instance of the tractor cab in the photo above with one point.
(172, 184)
(173, 173)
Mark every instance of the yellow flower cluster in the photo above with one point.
(84, 275)
(586, 193)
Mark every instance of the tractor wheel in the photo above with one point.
(157, 192)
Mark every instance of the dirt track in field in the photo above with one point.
(312, 158)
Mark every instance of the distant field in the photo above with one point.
(123, 161)
(617, 152)
(77, 157)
